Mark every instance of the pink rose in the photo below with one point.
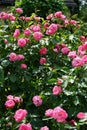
(58, 14)
(72, 54)
(5, 41)
(17, 99)
(59, 114)
(23, 66)
(19, 10)
(62, 17)
(20, 115)
(43, 51)
(37, 36)
(9, 103)
(85, 46)
(36, 28)
(65, 50)
(49, 112)
(42, 61)
(81, 115)
(60, 81)
(77, 62)
(52, 29)
(27, 32)
(10, 97)
(27, 18)
(25, 126)
(12, 57)
(73, 22)
(16, 33)
(21, 42)
(46, 24)
(20, 57)
(37, 100)
(50, 16)
(44, 128)
(57, 90)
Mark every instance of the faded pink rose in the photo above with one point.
(60, 81)
(10, 97)
(81, 115)
(57, 90)
(21, 42)
(42, 61)
(72, 54)
(9, 103)
(65, 50)
(19, 10)
(49, 112)
(62, 17)
(44, 128)
(37, 100)
(37, 36)
(20, 114)
(59, 114)
(23, 66)
(43, 51)
(27, 126)
(12, 56)
(16, 33)
(50, 16)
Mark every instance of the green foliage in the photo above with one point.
(42, 7)
(39, 79)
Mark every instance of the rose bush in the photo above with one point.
(43, 72)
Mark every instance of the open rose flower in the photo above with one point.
(20, 114)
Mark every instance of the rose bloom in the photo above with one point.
(19, 10)
(58, 14)
(12, 57)
(36, 28)
(52, 29)
(9, 103)
(20, 57)
(49, 112)
(20, 114)
(42, 61)
(5, 41)
(17, 99)
(16, 33)
(10, 97)
(21, 42)
(37, 100)
(44, 128)
(27, 32)
(72, 54)
(25, 126)
(77, 62)
(57, 90)
(73, 22)
(60, 81)
(23, 66)
(59, 114)
(37, 36)
(65, 50)
(85, 46)
(81, 115)
(27, 18)
(43, 51)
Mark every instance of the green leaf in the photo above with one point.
(5, 63)
(1, 74)
(13, 78)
